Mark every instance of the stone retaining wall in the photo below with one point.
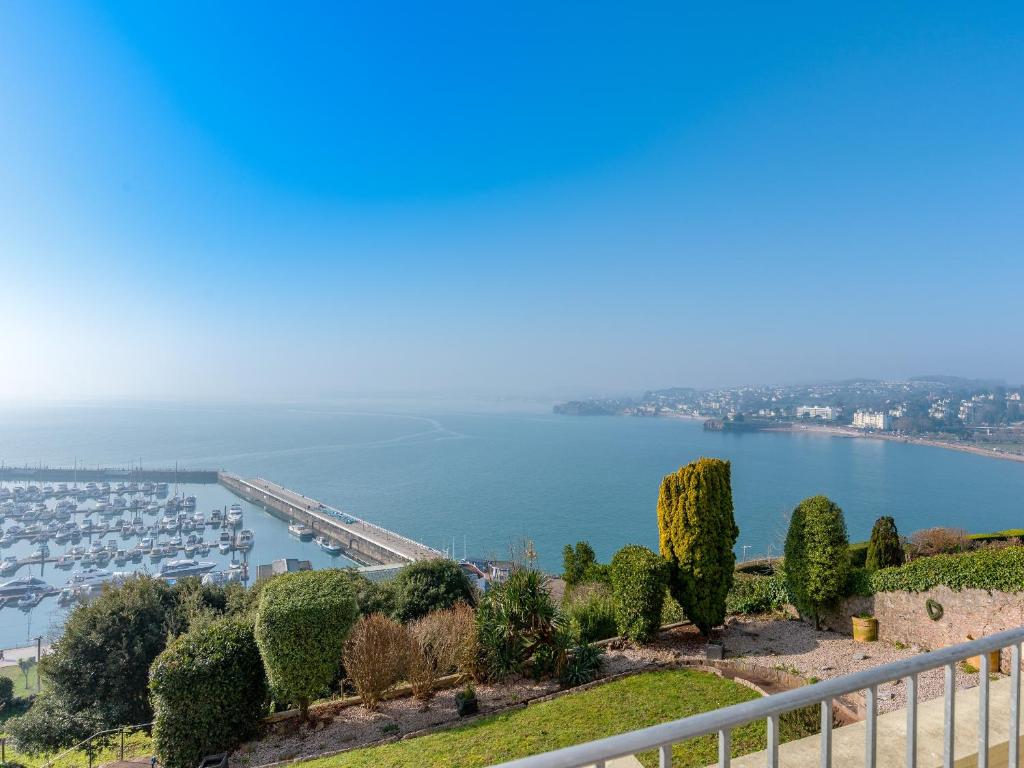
(903, 616)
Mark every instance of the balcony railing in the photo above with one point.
(770, 708)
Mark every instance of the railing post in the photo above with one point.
(122, 743)
(947, 736)
(773, 741)
(724, 749)
(911, 688)
(983, 712)
(826, 733)
(870, 735)
(1014, 761)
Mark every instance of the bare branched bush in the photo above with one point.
(939, 541)
(375, 656)
(440, 643)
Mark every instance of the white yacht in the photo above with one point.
(246, 539)
(179, 568)
(328, 546)
(301, 531)
(23, 585)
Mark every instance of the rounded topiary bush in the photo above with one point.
(209, 691)
(430, 585)
(639, 580)
(302, 622)
(817, 564)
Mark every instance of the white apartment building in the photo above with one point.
(826, 412)
(870, 420)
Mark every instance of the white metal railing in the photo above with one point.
(723, 721)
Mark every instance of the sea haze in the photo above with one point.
(491, 475)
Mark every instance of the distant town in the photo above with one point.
(941, 409)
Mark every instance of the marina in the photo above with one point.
(62, 540)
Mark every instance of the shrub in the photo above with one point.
(6, 691)
(209, 691)
(697, 534)
(639, 578)
(859, 554)
(757, 594)
(436, 649)
(582, 665)
(49, 722)
(590, 613)
(517, 620)
(994, 569)
(939, 541)
(375, 656)
(884, 548)
(817, 564)
(575, 562)
(430, 585)
(301, 626)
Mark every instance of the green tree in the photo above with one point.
(430, 585)
(301, 625)
(817, 564)
(639, 579)
(576, 561)
(26, 665)
(884, 548)
(697, 534)
(209, 692)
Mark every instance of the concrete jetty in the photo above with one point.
(361, 541)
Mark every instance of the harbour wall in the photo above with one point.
(82, 475)
(354, 547)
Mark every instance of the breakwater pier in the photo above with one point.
(360, 540)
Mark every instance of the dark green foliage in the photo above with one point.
(757, 594)
(995, 569)
(517, 620)
(371, 596)
(582, 665)
(430, 585)
(50, 725)
(859, 554)
(6, 691)
(590, 613)
(96, 676)
(639, 578)
(884, 548)
(301, 626)
(858, 583)
(697, 534)
(817, 564)
(209, 691)
(575, 562)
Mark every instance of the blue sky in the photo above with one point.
(533, 198)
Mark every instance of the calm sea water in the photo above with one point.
(490, 476)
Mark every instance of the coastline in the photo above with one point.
(853, 433)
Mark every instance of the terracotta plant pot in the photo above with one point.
(865, 630)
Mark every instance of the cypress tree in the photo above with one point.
(884, 550)
(817, 563)
(697, 534)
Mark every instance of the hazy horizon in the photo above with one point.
(224, 203)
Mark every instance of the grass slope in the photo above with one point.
(623, 705)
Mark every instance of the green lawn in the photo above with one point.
(19, 679)
(624, 705)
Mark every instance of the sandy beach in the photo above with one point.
(848, 432)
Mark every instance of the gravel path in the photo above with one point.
(798, 648)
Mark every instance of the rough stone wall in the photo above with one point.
(903, 617)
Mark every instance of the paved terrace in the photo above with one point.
(333, 520)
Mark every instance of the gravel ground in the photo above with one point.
(781, 644)
(798, 648)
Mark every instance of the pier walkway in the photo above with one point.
(360, 540)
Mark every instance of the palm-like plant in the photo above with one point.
(520, 627)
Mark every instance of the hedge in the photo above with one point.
(995, 569)
(301, 626)
(209, 691)
(757, 594)
(639, 578)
